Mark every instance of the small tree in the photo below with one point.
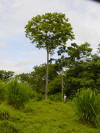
(49, 31)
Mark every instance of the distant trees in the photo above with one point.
(37, 77)
(24, 77)
(81, 70)
(6, 75)
(49, 31)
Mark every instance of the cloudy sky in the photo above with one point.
(16, 51)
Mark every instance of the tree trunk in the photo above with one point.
(46, 89)
(62, 85)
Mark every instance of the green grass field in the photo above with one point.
(43, 117)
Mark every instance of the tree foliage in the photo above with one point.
(84, 75)
(6, 75)
(49, 31)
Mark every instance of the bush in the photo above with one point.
(37, 96)
(2, 91)
(18, 93)
(56, 97)
(88, 106)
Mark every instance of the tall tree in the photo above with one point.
(71, 57)
(49, 31)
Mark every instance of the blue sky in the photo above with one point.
(16, 51)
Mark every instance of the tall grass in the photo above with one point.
(2, 90)
(8, 127)
(18, 93)
(88, 106)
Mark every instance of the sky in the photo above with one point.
(16, 51)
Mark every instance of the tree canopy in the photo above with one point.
(49, 30)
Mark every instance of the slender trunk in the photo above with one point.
(46, 89)
(62, 85)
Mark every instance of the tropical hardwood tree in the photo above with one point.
(49, 31)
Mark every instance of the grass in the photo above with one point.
(88, 109)
(46, 117)
(18, 93)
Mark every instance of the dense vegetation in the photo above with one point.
(22, 105)
(75, 72)
(81, 70)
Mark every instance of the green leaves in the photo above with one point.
(6, 75)
(49, 30)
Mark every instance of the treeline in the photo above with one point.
(77, 65)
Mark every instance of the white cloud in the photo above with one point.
(82, 13)
(14, 15)
(85, 21)
(26, 62)
(2, 45)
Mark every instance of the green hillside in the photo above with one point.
(42, 117)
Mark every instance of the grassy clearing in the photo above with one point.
(45, 117)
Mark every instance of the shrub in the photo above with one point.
(56, 97)
(2, 91)
(39, 97)
(18, 93)
(88, 106)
